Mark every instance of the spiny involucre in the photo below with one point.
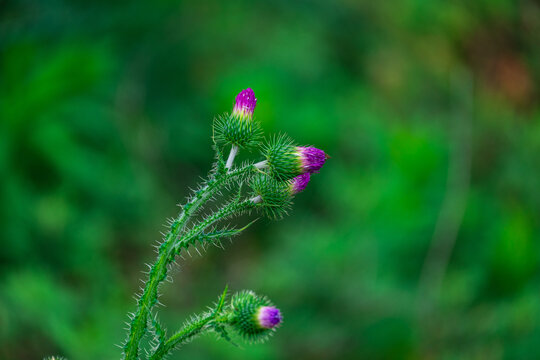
(286, 160)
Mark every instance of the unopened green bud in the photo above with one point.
(254, 317)
(285, 160)
(271, 195)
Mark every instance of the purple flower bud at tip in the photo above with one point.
(245, 103)
(312, 158)
(299, 183)
(269, 317)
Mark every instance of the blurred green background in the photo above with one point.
(418, 240)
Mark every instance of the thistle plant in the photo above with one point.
(266, 187)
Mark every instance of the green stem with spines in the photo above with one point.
(194, 328)
(181, 336)
(234, 207)
(188, 332)
(166, 254)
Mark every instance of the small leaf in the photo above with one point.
(213, 236)
(222, 333)
(221, 301)
(159, 333)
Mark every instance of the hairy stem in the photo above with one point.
(234, 207)
(189, 331)
(158, 272)
(183, 335)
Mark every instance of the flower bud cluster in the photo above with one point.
(253, 317)
(288, 169)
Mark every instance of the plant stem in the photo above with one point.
(227, 210)
(261, 164)
(158, 272)
(183, 335)
(232, 155)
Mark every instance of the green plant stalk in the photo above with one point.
(166, 254)
(190, 330)
(183, 335)
(231, 208)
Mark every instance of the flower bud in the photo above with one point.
(254, 317)
(285, 160)
(268, 317)
(239, 128)
(245, 104)
(312, 159)
(299, 183)
(271, 195)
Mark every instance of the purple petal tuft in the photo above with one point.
(269, 317)
(245, 103)
(312, 158)
(300, 182)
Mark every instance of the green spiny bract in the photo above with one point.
(237, 131)
(273, 197)
(285, 160)
(250, 316)
(282, 158)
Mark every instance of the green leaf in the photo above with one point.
(159, 333)
(221, 301)
(222, 333)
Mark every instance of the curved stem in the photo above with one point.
(188, 332)
(158, 272)
(183, 335)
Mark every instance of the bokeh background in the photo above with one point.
(418, 240)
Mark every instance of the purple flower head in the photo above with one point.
(245, 103)
(311, 158)
(268, 317)
(299, 183)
